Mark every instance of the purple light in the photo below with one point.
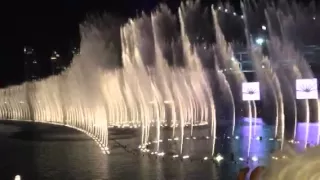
(312, 137)
(259, 148)
(259, 121)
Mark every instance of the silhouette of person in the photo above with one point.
(243, 173)
(256, 173)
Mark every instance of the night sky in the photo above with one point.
(53, 25)
(48, 25)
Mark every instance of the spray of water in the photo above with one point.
(94, 95)
(226, 61)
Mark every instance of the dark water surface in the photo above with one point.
(58, 153)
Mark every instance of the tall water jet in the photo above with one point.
(226, 86)
(262, 66)
(254, 115)
(92, 97)
(289, 20)
(187, 54)
(201, 99)
(227, 61)
(162, 67)
(307, 119)
(250, 130)
(226, 83)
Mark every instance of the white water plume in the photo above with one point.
(226, 62)
(96, 93)
(93, 95)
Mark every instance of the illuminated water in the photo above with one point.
(150, 97)
(66, 154)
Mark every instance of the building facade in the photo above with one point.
(31, 66)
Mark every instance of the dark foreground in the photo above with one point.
(50, 152)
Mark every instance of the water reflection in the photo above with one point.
(83, 159)
(255, 151)
(233, 149)
(54, 159)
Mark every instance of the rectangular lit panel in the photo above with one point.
(251, 91)
(307, 88)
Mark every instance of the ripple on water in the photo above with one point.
(70, 155)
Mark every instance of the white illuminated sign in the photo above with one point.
(307, 88)
(251, 91)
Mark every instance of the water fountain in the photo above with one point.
(149, 94)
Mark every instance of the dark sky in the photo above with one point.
(53, 24)
(47, 25)
(37, 22)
